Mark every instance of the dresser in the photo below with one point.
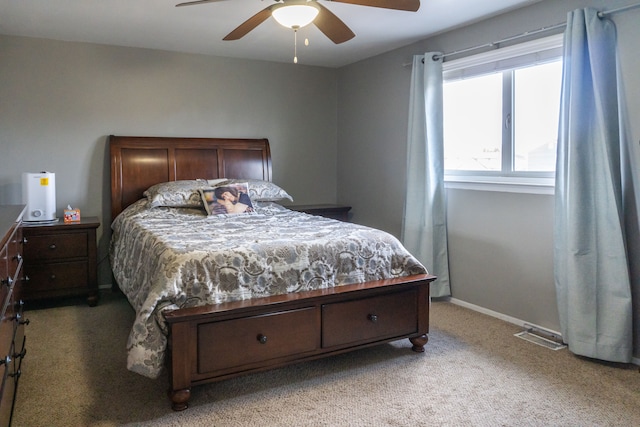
(60, 260)
(12, 337)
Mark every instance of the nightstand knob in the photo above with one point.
(262, 339)
(52, 277)
(52, 246)
(373, 318)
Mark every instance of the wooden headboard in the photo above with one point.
(138, 162)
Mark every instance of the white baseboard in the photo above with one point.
(512, 320)
(500, 316)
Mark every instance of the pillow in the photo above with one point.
(259, 190)
(217, 181)
(177, 194)
(227, 199)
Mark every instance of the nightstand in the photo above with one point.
(60, 260)
(340, 212)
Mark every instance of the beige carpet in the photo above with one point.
(474, 373)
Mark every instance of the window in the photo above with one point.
(501, 113)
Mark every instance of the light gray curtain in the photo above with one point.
(424, 227)
(591, 258)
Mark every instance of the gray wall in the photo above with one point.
(60, 100)
(500, 243)
(335, 135)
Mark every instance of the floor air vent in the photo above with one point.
(544, 338)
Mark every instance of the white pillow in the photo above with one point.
(177, 194)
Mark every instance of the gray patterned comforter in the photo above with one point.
(168, 258)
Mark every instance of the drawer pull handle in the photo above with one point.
(18, 318)
(373, 318)
(52, 277)
(262, 339)
(21, 354)
(52, 246)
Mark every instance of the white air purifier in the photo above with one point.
(39, 194)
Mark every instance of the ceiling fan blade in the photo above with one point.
(193, 3)
(249, 24)
(332, 27)
(408, 5)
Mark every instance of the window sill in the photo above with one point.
(501, 184)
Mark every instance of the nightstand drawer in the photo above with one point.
(55, 246)
(53, 276)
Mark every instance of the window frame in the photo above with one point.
(535, 52)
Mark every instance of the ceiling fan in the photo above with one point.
(328, 23)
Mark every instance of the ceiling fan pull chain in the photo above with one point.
(295, 45)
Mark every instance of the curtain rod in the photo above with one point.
(620, 9)
(602, 14)
(508, 39)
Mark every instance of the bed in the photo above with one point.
(217, 296)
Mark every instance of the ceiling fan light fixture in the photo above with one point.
(295, 15)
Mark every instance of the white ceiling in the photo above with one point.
(158, 24)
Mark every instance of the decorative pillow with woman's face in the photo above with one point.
(227, 198)
(259, 190)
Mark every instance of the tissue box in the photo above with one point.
(71, 215)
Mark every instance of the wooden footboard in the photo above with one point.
(213, 343)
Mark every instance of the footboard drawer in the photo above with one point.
(369, 319)
(241, 342)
